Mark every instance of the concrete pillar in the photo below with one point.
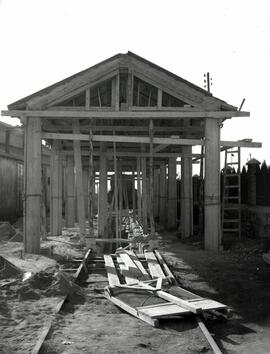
(32, 192)
(172, 194)
(186, 199)
(70, 192)
(212, 217)
(56, 189)
(253, 165)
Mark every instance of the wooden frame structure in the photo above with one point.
(124, 114)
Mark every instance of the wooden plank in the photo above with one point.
(163, 310)
(153, 265)
(125, 114)
(145, 140)
(111, 271)
(131, 265)
(180, 302)
(144, 317)
(139, 194)
(165, 266)
(44, 333)
(126, 128)
(130, 278)
(139, 264)
(208, 336)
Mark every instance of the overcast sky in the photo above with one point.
(44, 41)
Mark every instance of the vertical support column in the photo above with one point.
(85, 190)
(79, 181)
(186, 193)
(156, 192)
(32, 185)
(70, 192)
(162, 194)
(172, 191)
(144, 192)
(91, 188)
(212, 217)
(139, 194)
(151, 179)
(43, 202)
(133, 192)
(102, 196)
(56, 189)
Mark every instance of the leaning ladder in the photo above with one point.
(231, 200)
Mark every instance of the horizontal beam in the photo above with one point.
(122, 139)
(134, 154)
(146, 140)
(125, 114)
(124, 128)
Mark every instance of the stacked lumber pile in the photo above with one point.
(144, 286)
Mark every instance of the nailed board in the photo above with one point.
(153, 265)
(111, 271)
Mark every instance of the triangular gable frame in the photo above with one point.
(139, 67)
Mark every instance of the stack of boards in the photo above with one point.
(144, 286)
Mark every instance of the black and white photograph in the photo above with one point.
(134, 177)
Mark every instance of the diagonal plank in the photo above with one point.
(111, 271)
(129, 277)
(136, 260)
(154, 267)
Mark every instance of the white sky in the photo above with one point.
(44, 41)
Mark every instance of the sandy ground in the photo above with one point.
(237, 278)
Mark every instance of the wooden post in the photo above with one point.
(162, 194)
(79, 181)
(44, 202)
(115, 192)
(156, 193)
(85, 190)
(144, 192)
(32, 185)
(212, 217)
(133, 193)
(139, 194)
(70, 192)
(151, 180)
(120, 181)
(91, 188)
(186, 193)
(56, 189)
(172, 194)
(102, 196)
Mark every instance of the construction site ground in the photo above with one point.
(239, 278)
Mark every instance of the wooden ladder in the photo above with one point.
(231, 199)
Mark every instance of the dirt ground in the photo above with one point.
(238, 278)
